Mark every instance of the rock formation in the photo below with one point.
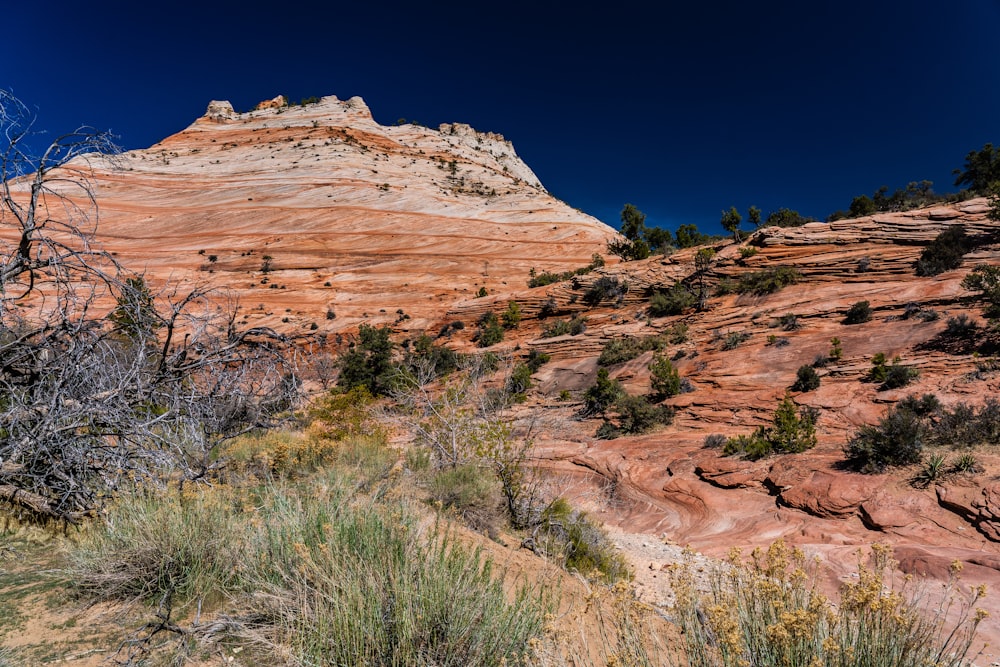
(305, 213)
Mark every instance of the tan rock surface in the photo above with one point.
(369, 222)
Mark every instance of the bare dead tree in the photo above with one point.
(92, 402)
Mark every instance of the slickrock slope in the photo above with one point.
(666, 483)
(304, 210)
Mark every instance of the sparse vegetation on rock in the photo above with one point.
(767, 281)
(858, 313)
(791, 431)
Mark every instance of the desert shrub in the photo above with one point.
(945, 252)
(715, 441)
(767, 281)
(672, 301)
(836, 351)
(961, 326)
(726, 286)
(437, 359)
(194, 552)
(791, 431)
(891, 375)
(922, 406)
(807, 379)
(789, 322)
(330, 575)
(747, 251)
(858, 313)
(511, 317)
(785, 217)
(898, 375)
(665, 381)
(547, 309)
(470, 493)
(490, 331)
(767, 610)
(602, 395)
(537, 359)
(368, 362)
(519, 380)
(620, 350)
(963, 426)
(579, 544)
(351, 581)
(734, 339)
(571, 327)
(985, 279)
(607, 431)
(637, 415)
(547, 277)
(337, 415)
(482, 292)
(897, 440)
(605, 288)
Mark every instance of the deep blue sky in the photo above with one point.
(683, 109)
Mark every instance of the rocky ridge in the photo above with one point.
(360, 221)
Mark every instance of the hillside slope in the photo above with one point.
(358, 219)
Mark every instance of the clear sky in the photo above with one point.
(681, 109)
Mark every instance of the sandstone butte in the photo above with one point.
(403, 225)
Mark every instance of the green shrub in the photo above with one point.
(580, 544)
(637, 415)
(602, 395)
(790, 432)
(353, 582)
(511, 317)
(470, 493)
(547, 278)
(898, 439)
(963, 426)
(807, 379)
(891, 376)
(789, 322)
(961, 326)
(858, 313)
(519, 380)
(193, 552)
(932, 471)
(673, 301)
(898, 375)
(424, 354)
(767, 281)
(490, 332)
(607, 431)
(945, 252)
(368, 362)
(571, 327)
(734, 339)
(747, 251)
(967, 463)
(985, 279)
(665, 381)
(785, 217)
(536, 360)
(620, 350)
(605, 288)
